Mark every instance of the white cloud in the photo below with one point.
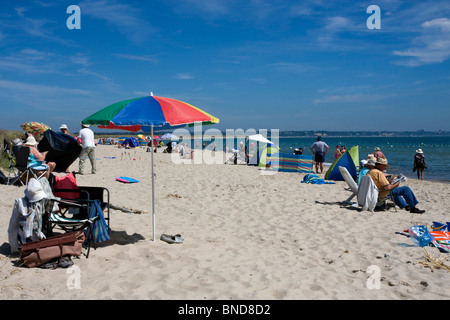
(434, 44)
(125, 17)
(27, 88)
(147, 58)
(183, 76)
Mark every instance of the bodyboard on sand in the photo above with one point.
(126, 180)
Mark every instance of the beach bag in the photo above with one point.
(420, 235)
(38, 253)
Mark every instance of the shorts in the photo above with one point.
(319, 157)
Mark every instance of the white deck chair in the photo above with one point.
(351, 183)
(367, 194)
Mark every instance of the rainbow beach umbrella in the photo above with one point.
(145, 112)
(148, 112)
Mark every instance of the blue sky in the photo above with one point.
(287, 65)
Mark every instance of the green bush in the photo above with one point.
(9, 136)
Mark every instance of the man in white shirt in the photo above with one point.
(87, 143)
(319, 149)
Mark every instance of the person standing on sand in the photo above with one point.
(87, 143)
(419, 163)
(319, 149)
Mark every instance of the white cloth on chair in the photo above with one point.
(25, 223)
(367, 194)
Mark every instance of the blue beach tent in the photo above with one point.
(132, 142)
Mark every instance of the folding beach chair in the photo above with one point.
(351, 183)
(53, 217)
(71, 191)
(21, 168)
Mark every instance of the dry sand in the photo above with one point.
(247, 236)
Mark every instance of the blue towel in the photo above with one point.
(100, 227)
(314, 179)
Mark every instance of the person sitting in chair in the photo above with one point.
(403, 196)
(37, 158)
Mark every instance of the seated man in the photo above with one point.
(403, 196)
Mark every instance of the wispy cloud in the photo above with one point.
(31, 88)
(145, 58)
(433, 44)
(183, 76)
(125, 17)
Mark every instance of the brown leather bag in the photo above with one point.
(37, 253)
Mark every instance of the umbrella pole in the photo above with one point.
(153, 191)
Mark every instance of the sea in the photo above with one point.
(399, 151)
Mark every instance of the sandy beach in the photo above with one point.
(247, 235)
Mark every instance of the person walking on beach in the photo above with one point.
(419, 163)
(403, 196)
(319, 149)
(87, 143)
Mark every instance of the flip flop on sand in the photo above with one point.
(178, 238)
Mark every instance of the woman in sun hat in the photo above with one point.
(37, 159)
(419, 163)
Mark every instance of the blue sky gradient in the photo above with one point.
(287, 65)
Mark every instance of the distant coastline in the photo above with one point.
(308, 133)
(337, 134)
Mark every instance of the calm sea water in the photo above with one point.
(399, 151)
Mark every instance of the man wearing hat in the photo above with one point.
(64, 129)
(87, 143)
(403, 196)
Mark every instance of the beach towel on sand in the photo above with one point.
(441, 240)
(314, 179)
(126, 180)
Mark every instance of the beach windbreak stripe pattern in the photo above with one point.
(291, 163)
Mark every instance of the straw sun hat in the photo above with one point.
(382, 161)
(419, 151)
(31, 141)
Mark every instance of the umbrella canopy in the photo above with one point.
(62, 149)
(169, 136)
(136, 114)
(37, 129)
(149, 111)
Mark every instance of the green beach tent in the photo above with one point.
(349, 160)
